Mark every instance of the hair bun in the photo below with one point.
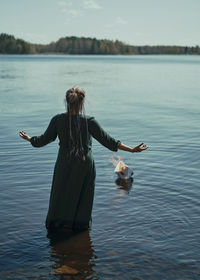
(75, 98)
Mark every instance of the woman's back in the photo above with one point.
(89, 127)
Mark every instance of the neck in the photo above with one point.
(73, 113)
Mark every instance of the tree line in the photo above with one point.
(82, 45)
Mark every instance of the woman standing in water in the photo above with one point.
(72, 191)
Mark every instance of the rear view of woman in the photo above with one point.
(72, 191)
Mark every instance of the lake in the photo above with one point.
(145, 229)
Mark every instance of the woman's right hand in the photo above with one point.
(23, 135)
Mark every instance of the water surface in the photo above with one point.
(146, 229)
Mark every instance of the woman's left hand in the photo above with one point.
(23, 135)
(139, 148)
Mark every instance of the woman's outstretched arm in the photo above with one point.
(106, 140)
(139, 148)
(49, 135)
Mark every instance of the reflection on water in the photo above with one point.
(124, 184)
(71, 254)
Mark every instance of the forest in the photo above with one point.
(82, 45)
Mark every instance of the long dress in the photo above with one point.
(72, 191)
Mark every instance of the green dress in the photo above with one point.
(72, 191)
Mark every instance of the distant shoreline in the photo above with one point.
(64, 54)
(88, 46)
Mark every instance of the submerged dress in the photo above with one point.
(72, 191)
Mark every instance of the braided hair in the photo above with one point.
(75, 97)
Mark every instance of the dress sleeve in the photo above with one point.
(49, 135)
(102, 136)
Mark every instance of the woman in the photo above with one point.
(72, 191)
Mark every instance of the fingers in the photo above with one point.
(140, 144)
(142, 147)
(23, 134)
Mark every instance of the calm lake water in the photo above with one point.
(148, 229)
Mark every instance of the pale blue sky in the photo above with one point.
(138, 22)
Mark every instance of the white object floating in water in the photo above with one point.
(123, 171)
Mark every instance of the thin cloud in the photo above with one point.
(64, 3)
(72, 12)
(120, 20)
(91, 4)
(73, 9)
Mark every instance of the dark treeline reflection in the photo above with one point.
(71, 255)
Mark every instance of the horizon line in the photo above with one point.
(113, 40)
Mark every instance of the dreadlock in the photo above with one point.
(75, 97)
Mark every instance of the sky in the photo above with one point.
(136, 22)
